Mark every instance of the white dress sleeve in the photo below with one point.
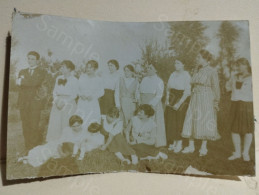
(159, 93)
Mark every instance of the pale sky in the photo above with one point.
(100, 40)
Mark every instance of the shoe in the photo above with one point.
(246, 157)
(148, 158)
(172, 147)
(203, 152)
(134, 159)
(126, 160)
(80, 158)
(20, 159)
(178, 148)
(234, 156)
(163, 155)
(188, 149)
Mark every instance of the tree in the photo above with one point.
(186, 40)
(158, 56)
(227, 34)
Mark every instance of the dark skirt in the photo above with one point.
(107, 101)
(120, 144)
(241, 117)
(174, 119)
(144, 150)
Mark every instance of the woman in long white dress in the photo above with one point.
(90, 90)
(64, 105)
(151, 92)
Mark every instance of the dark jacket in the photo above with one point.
(30, 89)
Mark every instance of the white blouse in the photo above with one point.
(91, 86)
(153, 85)
(245, 93)
(69, 90)
(68, 135)
(180, 81)
(110, 80)
(143, 132)
(113, 128)
(93, 141)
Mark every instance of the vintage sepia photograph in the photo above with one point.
(155, 97)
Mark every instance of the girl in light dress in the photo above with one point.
(241, 110)
(64, 105)
(151, 92)
(141, 134)
(201, 117)
(114, 140)
(177, 101)
(90, 90)
(110, 80)
(127, 94)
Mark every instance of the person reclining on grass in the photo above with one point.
(73, 134)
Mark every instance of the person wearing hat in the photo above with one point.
(151, 92)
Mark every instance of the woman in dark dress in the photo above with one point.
(110, 80)
(177, 100)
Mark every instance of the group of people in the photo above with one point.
(125, 115)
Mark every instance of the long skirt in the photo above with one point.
(160, 137)
(120, 144)
(59, 119)
(174, 119)
(107, 101)
(144, 150)
(201, 117)
(128, 108)
(89, 111)
(241, 117)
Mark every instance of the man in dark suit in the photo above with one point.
(30, 101)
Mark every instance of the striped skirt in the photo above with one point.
(241, 117)
(201, 117)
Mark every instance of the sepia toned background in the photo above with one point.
(142, 10)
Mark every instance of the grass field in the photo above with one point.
(102, 161)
